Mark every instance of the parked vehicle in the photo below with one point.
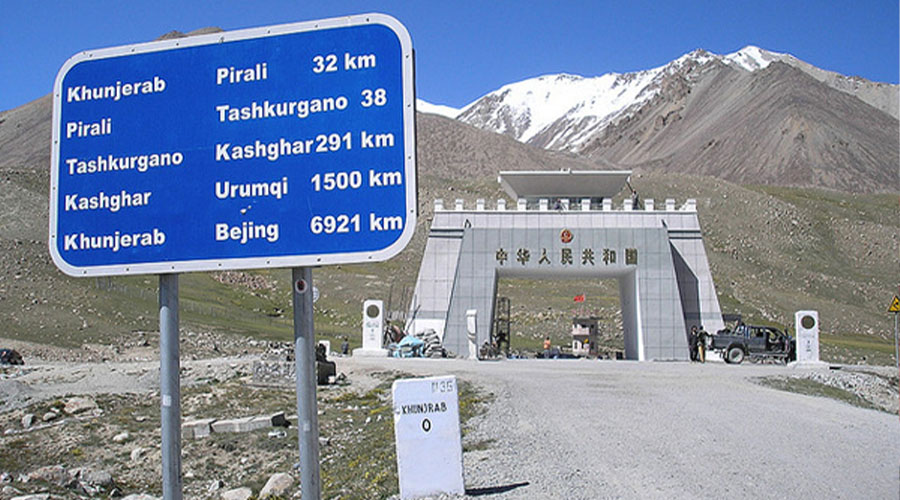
(11, 357)
(757, 343)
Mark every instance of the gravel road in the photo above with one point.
(577, 429)
(589, 429)
(42, 381)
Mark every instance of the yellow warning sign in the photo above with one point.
(895, 305)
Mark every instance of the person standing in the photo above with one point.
(692, 342)
(701, 344)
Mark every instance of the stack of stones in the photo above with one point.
(276, 366)
(433, 347)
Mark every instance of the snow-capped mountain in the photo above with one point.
(565, 112)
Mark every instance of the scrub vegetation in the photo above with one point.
(357, 452)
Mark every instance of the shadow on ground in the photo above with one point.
(492, 490)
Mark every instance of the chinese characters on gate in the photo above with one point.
(565, 257)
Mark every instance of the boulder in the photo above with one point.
(277, 485)
(93, 477)
(237, 494)
(39, 496)
(9, 492)
(140, 496)
(137, 454)
(27, 420)
(79, 404)
(121, 437)
(215, 485)
(53, 474)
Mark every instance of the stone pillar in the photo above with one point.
(472, 332)
(372, 330)
(806, 324)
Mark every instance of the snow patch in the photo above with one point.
(752, 58)
(547, 98)
(436, 109)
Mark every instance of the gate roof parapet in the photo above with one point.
(533, 185)
(543, 205)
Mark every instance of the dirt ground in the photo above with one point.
(549, 428)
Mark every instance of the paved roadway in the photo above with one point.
(577, 429)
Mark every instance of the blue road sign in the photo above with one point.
(280, 146)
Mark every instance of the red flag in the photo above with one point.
(579, 298)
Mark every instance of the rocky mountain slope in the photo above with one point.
(777, 126)
(772, 249)
(750, 116)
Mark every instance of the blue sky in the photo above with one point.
(465, 49)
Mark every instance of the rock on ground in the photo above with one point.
(278, 484)
(236, 494)
(79, 404)
(137, 454)
(92, 477)
(53, 474)
(121, 437)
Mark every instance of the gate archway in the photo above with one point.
(657, 256)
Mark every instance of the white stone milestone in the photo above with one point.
(372, 329)
(806, 324)
(429, 443)
(472, 332)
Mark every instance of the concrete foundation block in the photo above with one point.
(197, 428)
(278, 419)
(232, 425)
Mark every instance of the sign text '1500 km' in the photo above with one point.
(281, 146)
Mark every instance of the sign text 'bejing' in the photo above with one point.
(281, 146)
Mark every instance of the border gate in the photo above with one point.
(564, 226)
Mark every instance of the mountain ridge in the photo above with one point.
(844, 241)
(882, 96)
(853, 145)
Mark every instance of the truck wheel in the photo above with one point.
(735, 355)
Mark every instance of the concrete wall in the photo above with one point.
(667, 288)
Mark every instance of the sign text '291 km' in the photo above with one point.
(273, 147)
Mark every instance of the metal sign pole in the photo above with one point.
(304, 356)
(896, 345)
(169, 386)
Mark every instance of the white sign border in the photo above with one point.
(285, 261)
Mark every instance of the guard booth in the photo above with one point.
(585, 334)
(564, 225)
